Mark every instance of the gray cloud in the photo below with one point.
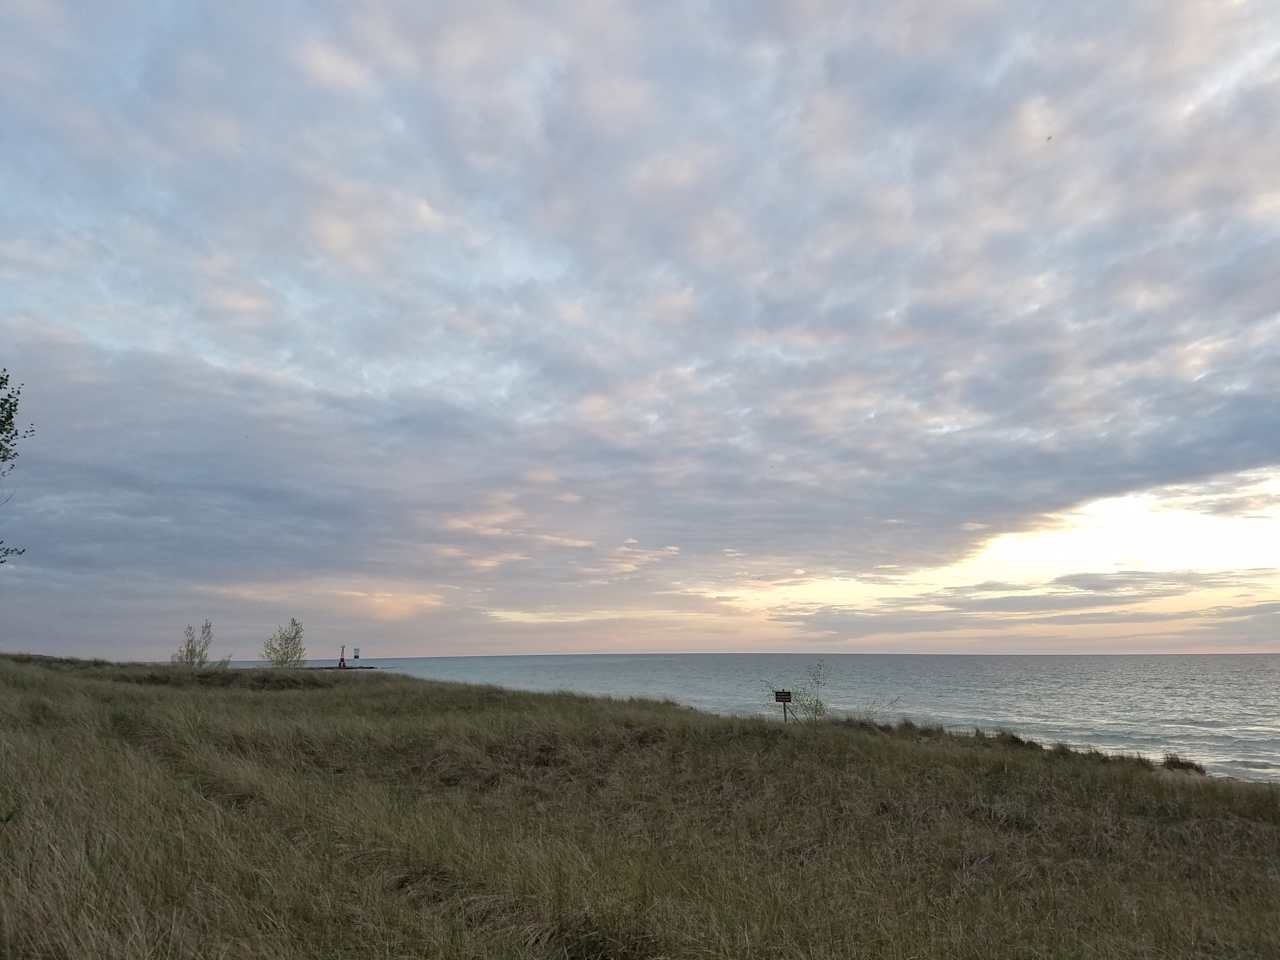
(306, 295)
(1091, 599)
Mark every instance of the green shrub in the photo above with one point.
(284, 648)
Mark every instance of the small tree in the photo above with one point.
(10, 434)
(192, 652)
(284, 647)
(809, 703)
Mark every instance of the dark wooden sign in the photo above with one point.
(782, 696)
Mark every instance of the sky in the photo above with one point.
(484, 328)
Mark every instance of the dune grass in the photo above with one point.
(152, 812)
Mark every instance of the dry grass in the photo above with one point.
(158, 813)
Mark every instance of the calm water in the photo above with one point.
(1223, 711)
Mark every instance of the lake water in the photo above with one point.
(1220, 710)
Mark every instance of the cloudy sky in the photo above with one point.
(546, 327)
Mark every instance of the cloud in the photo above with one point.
(380, 600)
(453, 300)
(1121, 607)
(329, 66)
(495, 560)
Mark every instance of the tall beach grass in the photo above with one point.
(150, 812)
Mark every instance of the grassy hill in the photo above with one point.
(155, 813)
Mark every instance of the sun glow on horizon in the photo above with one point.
(1162, 531)
(1132, 570)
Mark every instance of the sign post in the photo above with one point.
(783, 697)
